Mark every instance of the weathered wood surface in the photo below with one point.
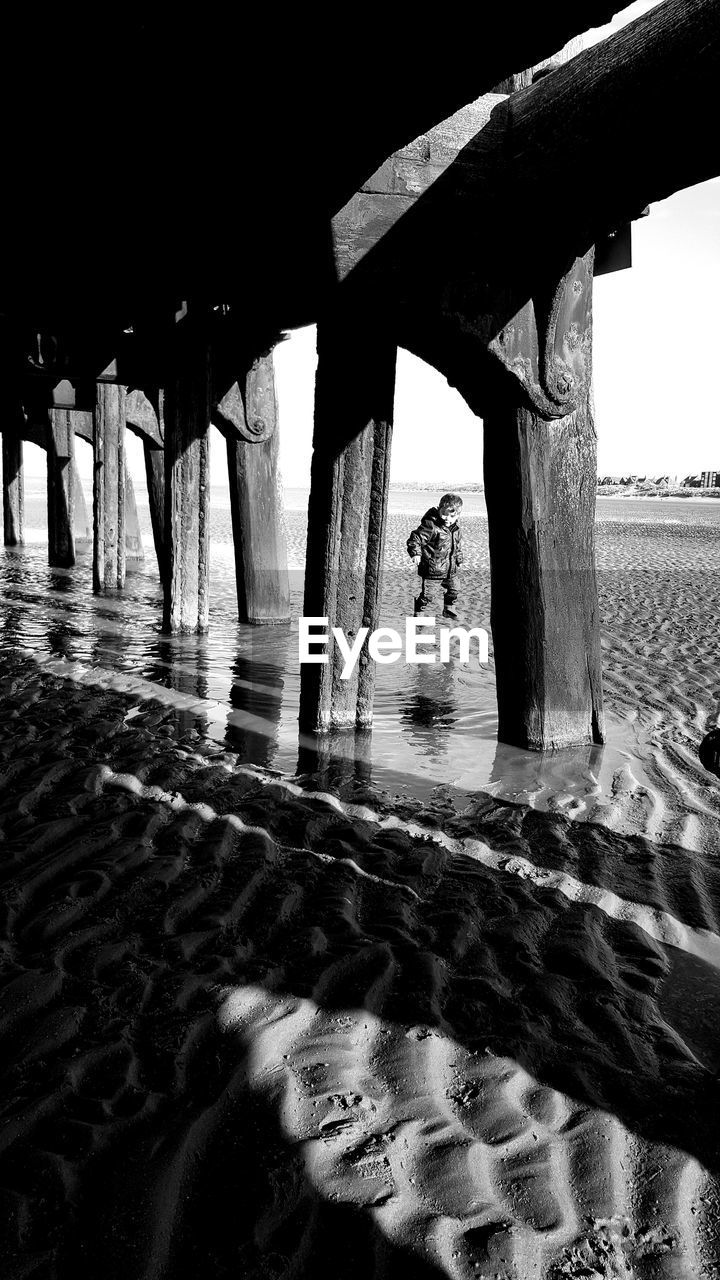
(547, 345)
(83, 424)
(60, 448)
(13, 481)
(143, 418)
(540, 481)
(155, 476)
(540, 495)
(251, 428)
(109, 561)
(249, 412)
(186, 411)
(390, 193)
(451, 245)
(347, 511)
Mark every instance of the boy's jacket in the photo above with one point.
(438, 545)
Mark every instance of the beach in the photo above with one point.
(403, 1003)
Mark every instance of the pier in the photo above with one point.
(351, 945)
(467, 229)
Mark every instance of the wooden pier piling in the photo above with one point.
(187, 485)
(60, 445)
(144, 410)
(13, 486)
(540, 495)
(540, 480)
(347, 512)
(155, 476)
(109, 560)
(248, 416)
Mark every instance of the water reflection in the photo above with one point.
(428, 711)
(340, 762)
(556, 776)
(435, 725)
(256, 696)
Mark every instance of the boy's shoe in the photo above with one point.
(449, 612)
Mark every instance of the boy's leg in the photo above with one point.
(451, 595)
(421, 600)
(426, 601)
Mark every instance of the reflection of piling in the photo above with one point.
(347, 512)
(60, 445)
(430, 711)
(339, 761)
(13, 482)
(109, 487)
(256, 701)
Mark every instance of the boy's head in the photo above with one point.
(450, 506)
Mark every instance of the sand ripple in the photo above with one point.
(252, 1031)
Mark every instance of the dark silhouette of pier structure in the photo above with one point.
(171, 217)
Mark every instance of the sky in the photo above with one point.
(656, 338)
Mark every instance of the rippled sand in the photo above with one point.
(253, 1030)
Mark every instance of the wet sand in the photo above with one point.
(252, 1028)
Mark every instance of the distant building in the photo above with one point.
(710, 480)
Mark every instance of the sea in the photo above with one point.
(434, 735)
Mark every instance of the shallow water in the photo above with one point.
(435, 727)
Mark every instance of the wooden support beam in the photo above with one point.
(263, 585)
(109, 488)
(144, 417)
(348, 511)
(60, 447)
(452, 231)
(187, 484)
(155, 476)
(134, 553)
(83, 421)
(13, 483)
(540, 480)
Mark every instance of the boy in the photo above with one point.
(435, 547)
